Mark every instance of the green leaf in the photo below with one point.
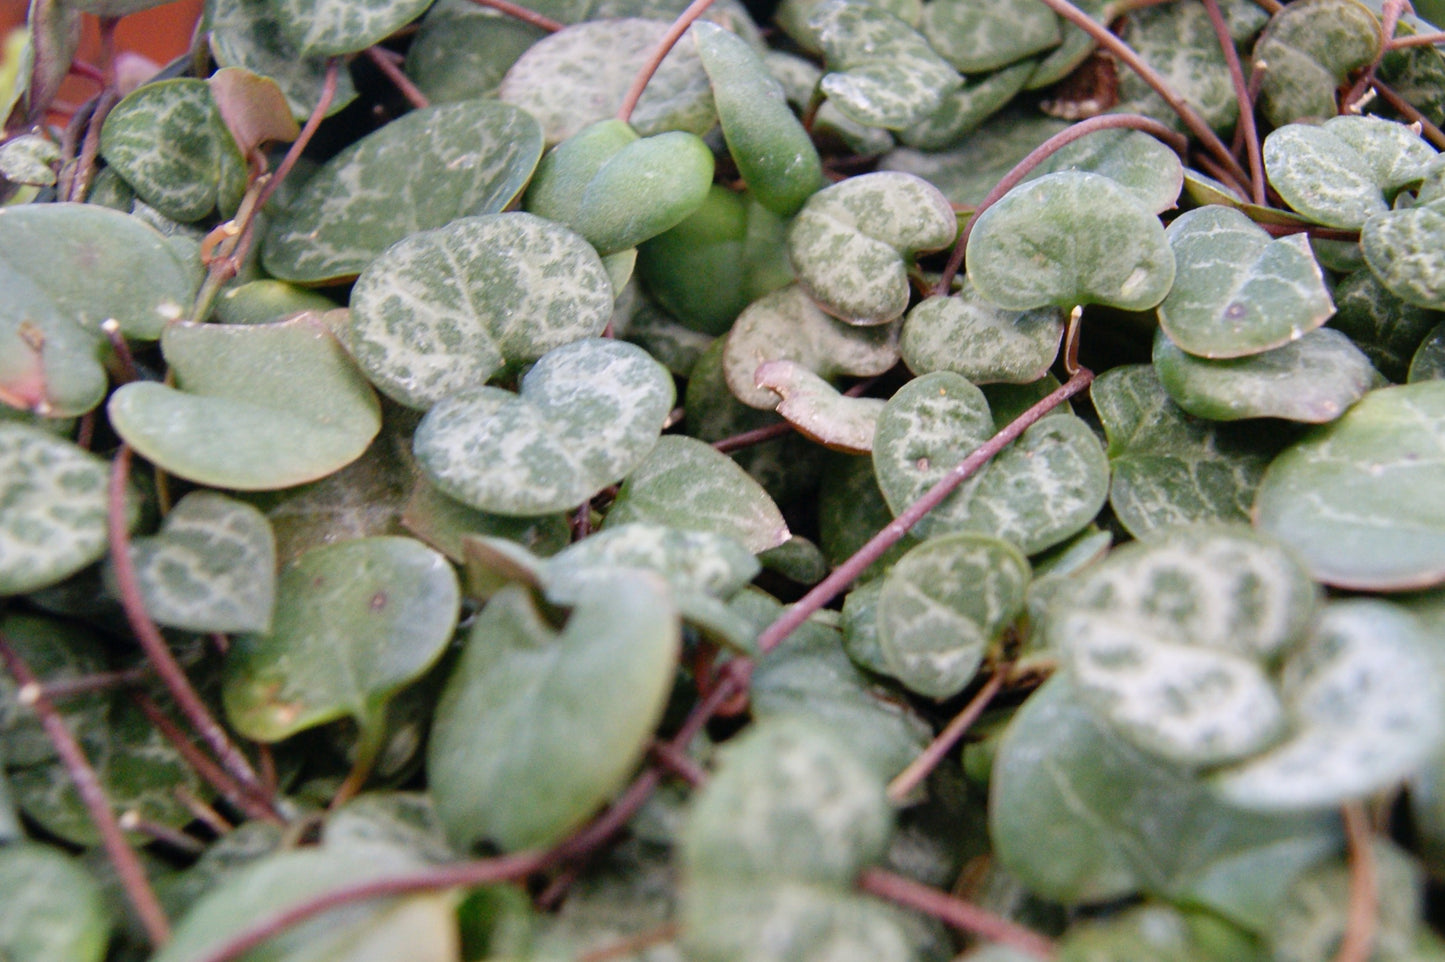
(330, 27)
(618, 190)
(1312, 921)
(256, 407)
(943, 604)
(1355, 498)
(774, 155)
(1179, 43)
(1403, 249)
(67, 268)
(461, 50)
(1170, 640)
(978, 37)
(1307, 49)
(59, 652)
(52, 508)
(966, 172)
(50, 907)
(474, 158)
(881, 71)
(1236, 291)
(1428, 363)
(422, 927)
(450, 308)
(29, 159)
(169, 142)
(789, 802)
(1387, 329)
(444, 523)
(1313, 379)
(587, 415)
(787, 326)
(968, 335)
(1168, 466)
(965, 109)
(1079, 815)
(212, 566)
(687, 484)
(818, 410)
(722, 257)
(1363, 694)
(850, 508)
(726, 921)
(1134, 160)
(1023, 252)
(1346, 170)
(250, 34)
(853, 243)
(356, 622)
(578, 76)
(1039, 490)
(532, 735)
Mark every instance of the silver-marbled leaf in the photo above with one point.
(1306, 50)
(1171, 639)
(578, 76)
(852, 243)
(248, 33)
(1313, 379)
(450, 308)
(587, 414)
(968, 335)
(1345, 170)
(882, 72)
(1237, 291)
(1038, 491)
(979, 37)
(818, 410)
(211, 567)
(1403, 249)
(449, 161)
(943, 604)
(1143, 165)
(1363, 695)
(331, 27)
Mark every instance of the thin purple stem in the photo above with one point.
(1247, 126)
(962, 915)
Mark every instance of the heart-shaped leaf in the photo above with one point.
(1403, 249)
(774, 155)
(1313, 379)
(212, 566)
(588, 413)
(249, 34)
(1355, 498)
(1168, 466)
(1024, 251)
(1237, 291)
(967, 171)
(65, 269)
(450, 308)
(617, 190)
(1171, 638)
(943, 604)
(1179, 42)
(1346, 170)
(474, 158)
(330, 27)
(169, 142)
(50, 907)
(1364, 694)
(52, 508)
(1079, 815)
(881, 71)
(255, 407)
(1428, 363)
(817, 410)
(853, 243)
(965, 109)
(787, 326)
(356, 622)
(531, 736)
(579, 75)
(1039, 490)
(29, 159)
(968, 335)
(1307, 50)
(978, 37)
(686, 484)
